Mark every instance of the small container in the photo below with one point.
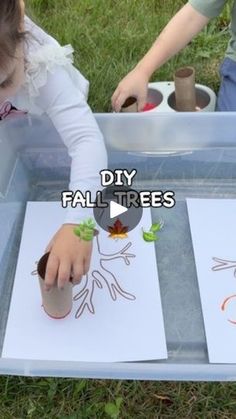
(57, 303)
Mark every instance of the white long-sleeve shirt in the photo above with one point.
(55, 87)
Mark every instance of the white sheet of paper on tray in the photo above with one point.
(121, 330)
(213, 230)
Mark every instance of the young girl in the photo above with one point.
(187, 23)
(37, 75)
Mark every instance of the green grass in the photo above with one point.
(109, 37)
(41, 398)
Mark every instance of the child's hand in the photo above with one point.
(134, 84)
(69, 257)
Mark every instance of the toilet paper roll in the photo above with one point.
(185, 92)
(57, 303)
(130, 105)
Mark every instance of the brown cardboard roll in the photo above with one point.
(57, 303)
(130, 105)
(185, 92)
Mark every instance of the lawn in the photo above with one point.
(109, 37)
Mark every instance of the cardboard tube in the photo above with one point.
(130, 105)
(185, 93)
(57, 303)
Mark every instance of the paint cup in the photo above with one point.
(205, 99)
(57, 303)
(130, 105)
(185, 92)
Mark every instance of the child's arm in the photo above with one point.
(175, 36)
(73, 119)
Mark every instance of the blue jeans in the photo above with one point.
(226, 100)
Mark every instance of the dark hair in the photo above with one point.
(10, 30)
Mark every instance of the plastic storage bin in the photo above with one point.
(192, 154)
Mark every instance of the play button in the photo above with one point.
(115, 211)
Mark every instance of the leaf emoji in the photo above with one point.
(118, 230)
(77, 231)
(87, 234)
(85, 230)
(155, 227)
(90, 223)
(149, 236)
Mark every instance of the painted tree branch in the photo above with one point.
(224, 264)
(86, 294)
(99, 276)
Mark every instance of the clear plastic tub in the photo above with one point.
(192, 154)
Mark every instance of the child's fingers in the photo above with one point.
(142, 100)
(87, 261)
(51, 272)
(114, 97)
(64, 273)
(86, 265)
(78, 272)
(49, 246)
(81, 268)
(120, 101)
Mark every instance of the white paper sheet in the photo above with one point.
(121, 330)
(213, 230)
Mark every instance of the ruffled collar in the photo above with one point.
(43, 60)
